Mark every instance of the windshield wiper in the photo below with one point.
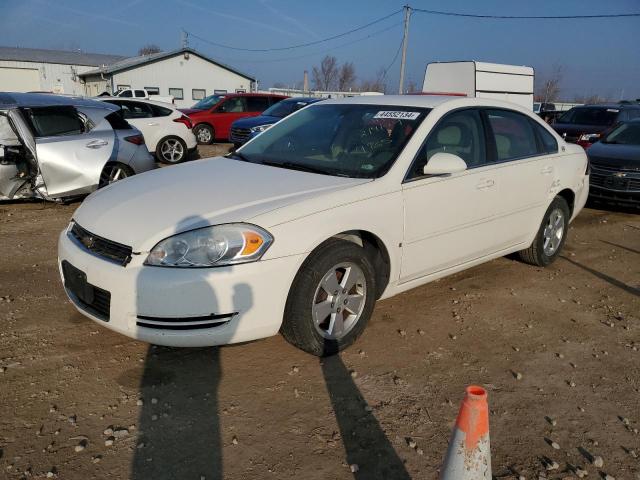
(297, 166)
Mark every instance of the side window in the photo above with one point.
(460, 133)
(513, 134)
(49, 122)
(233, 105)
(126, 94)
(548, 143)
(140, 93)
(133, 110)
(257, 104)
(159, 111)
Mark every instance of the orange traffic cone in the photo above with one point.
(469, 456)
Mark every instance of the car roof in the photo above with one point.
(10, 100)
(617, 106)
(427, 101)
(303, 99)
(142, 100)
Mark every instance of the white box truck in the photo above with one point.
(481, 79)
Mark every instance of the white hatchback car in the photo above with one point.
(167, 131)
(307, 225)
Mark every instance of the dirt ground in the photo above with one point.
(558, 350)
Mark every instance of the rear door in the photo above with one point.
(141, 116)
(526, 155)
(71, 149)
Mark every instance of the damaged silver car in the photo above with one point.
(55, 147)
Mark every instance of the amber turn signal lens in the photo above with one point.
(252, 242)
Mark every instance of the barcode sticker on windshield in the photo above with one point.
(398, 115)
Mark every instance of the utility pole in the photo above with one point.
(185, 39)
(405, 41)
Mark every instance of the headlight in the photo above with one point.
(260, 128)
(212, 247)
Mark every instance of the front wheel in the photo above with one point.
(171, 150)
(551, 235)
(204, 134)
(331, 299)
(113, 172)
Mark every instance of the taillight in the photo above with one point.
(184, 119)
(136, 139)
(587, 139)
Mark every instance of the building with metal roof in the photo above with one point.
(185, 74)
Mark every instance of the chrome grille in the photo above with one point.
(101, 247)
(239, 135)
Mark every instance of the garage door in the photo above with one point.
(19, 79)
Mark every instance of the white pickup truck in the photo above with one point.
(142, 93)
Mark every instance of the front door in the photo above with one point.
(70, 149)
(448, 220)
(231, 110)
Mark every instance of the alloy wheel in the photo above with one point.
(204, 135)
(172, 150)
(553, 232)
(339, 300)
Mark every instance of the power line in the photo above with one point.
(318, 52)
(291, 47)
(524, 17)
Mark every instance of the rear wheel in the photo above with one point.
(551, 235)
(204, 134)
(171, 150)
(113, 172)
(331, 299)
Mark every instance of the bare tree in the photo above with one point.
(149, 49)
(549, 89)
(346, 77)
(377, 84)
(589, 99)
(325, 77)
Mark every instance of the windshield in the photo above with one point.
(599, 116)
(625, 134)
(208, 102)
(348, 140)
(284, 108)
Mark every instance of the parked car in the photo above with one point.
(212, 116)
(167, 131)
(584, 125)
(303, 228)
(142, 93)
(245, 129)
(615, 165)
(55, 147)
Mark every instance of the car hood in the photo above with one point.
(255, 121)
(190, 111)
(144, 209)
(627, 156)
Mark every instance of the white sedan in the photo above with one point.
(307, 225)
(167, 131)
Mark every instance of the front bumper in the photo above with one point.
(614, 196)
(177, 307)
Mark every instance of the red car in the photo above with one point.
(212, 116)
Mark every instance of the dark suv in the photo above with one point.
(212, 116)
(584, 125)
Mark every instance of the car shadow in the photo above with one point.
(178, 430)
(368, 450)
(603, 276)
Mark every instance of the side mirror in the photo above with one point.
(443, 164)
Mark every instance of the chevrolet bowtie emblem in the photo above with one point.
(620, 174)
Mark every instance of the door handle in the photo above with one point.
(485, 184)
(546, 170)
(97, 144)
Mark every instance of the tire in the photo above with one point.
(171, 150)
(316, 329)
(113, 172)
(551, 235)
(204, 134)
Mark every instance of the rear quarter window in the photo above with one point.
(160, 111)
(117, 122)
(548, 143)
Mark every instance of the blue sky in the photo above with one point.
(596, 56)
